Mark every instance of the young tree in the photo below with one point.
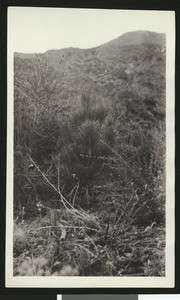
(82, 143)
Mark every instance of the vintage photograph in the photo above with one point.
(90, 147)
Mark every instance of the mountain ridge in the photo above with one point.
(128, 38)
(117, 71)
(138, 37)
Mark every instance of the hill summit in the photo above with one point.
(138, 37)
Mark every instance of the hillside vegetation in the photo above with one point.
(89, 159)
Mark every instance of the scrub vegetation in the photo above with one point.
(89, 159)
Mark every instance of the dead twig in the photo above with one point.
(78, 214)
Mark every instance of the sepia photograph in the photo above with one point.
(90, 148)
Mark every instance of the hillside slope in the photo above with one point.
(135, 62)
(89, 159)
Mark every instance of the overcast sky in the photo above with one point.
(40, 29)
